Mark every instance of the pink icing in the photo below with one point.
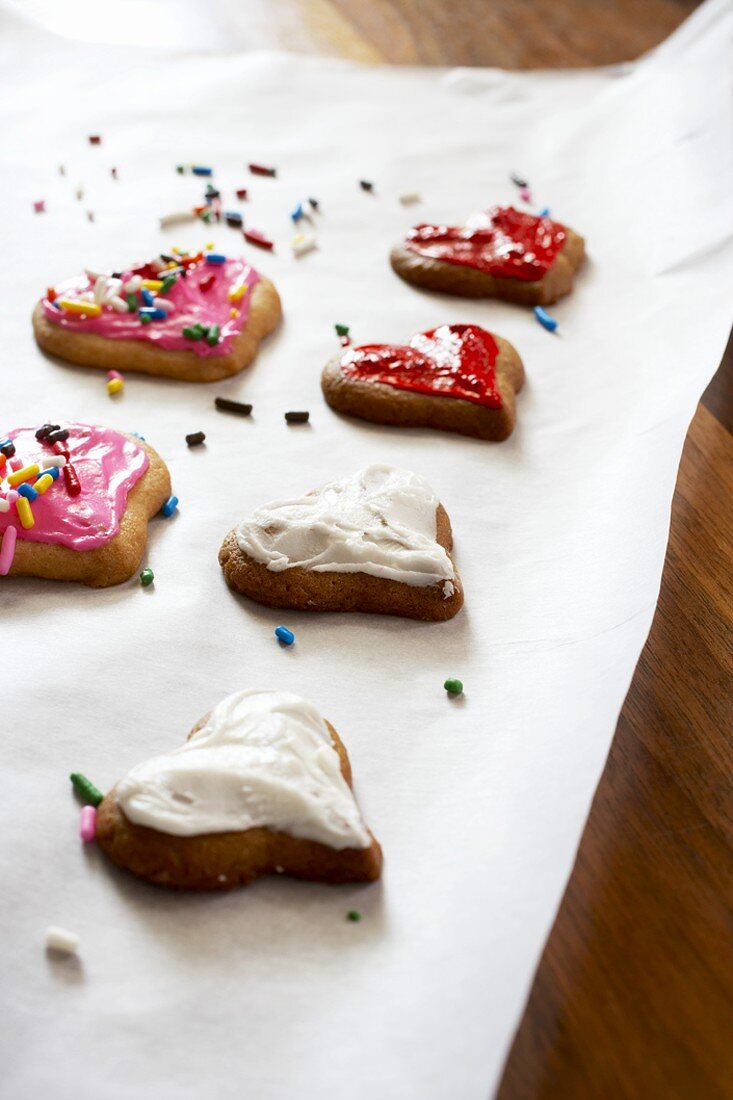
(107, 464)
(192, 305)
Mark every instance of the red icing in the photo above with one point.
(449, 361)
(507, 243)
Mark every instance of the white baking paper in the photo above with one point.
(560, 533)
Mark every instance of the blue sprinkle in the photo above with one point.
(153, 313)
(284, 635)
(52, 470)
(544, 319)
(215, 258)
(27, 491)
(55, 304)
(297, 213)
(544, 213)
(170, 506)
(138, 436)
(147, 296)
(233, 217)
(198, 170)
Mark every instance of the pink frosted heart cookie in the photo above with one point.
(75, 501)
(198, 317)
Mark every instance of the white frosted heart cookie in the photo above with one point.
(262, 786)
(378, 541)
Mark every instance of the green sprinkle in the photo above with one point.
(180, 169)
(168, 283)
(353, 914)
(453, 687)
(206, 216)
(212, 336)
(131, 300)
(147, 577)
(342, 330)
(145, 318)
(192, 333)
(91, 794)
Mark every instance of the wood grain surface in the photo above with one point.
(633, 997)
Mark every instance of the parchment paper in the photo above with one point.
(560, 534)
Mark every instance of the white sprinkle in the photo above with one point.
(158, 265)
(302, 244)
(4, 506)
(100, 288)
(92, 276)
(58, 939)
(163, 303)
(182, 217)
(410, 197)
(88, 295)
(133, 284)
(119, 305)
(57, 460)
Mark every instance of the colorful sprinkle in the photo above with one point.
(39, 206)
(408, 198)
(302, 245)
(297, 212)
(284, 635)
(353, 915)
(213, 335)
(147, 577)
(225, 404)
(84, 787)
(201, 170)
(60, 939)
(453, 687)
(170, 506)
(544, 319)
(88, 823)
(313, 203)
(297, 417)
(216, 258)
(95, 139)
(85, 309)
(233, 218)
(195, 439)
(254, 236)
(7, 550)
(71, 480)
(115, 385)
(262, 170)
(366, 185)
(241, 193)
(341, 330)
(44, 482)
(151, 313)
(544, 213)
(28, 491)
(518, 181)
(178, 217)
(26, 473)
(525, 194)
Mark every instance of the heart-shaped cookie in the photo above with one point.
(75, 501)
(378, 541)
(262, 786)
(501, 253)
(458, 378)
(194, 317)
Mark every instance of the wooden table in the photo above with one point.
(634, 994)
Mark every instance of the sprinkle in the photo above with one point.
(45, 430)
(544, 319)
(366, 185)
(297, 212)
(237, 291)
(313, 203)
(215, 258)
(302, 245)
(59, 939)
(25, 513)
(168, 283)
(25, 473)
(7, 550)
(199, 170)
(193, 332)
(7, 447)
(254, 236)
(83, 786)
(344, 341)
(518, 181)
(90, 215)
(195, 439)
(180, 168)
(211, 192)
(233, 218)
(60, 449)
(79, 193)
(213, 336)
(180, 217)
(453, 687)
(115, 385)
(132, 303)
(147, 577)
(525, 194)
(151, 284)
(39, 206)
(44, 482)
(408, 198)
(353, 915)
(71, 480)
(113, 173)
(151, 313)
(95, 139)
(88, 823)
(233, 313)
(146, 296)
(225, 404)
(284, 635)
(62, 170)
(297, 417)
(4, 505)
(73, 305)
(28, 491)
(169, 507)
(341, 330)
(119, 305)
(51, 294)
(58, 435)
(207, 282)
(262, 170)
(241, 193)
(545, 213)
(114, 374)
(164, 304)
(55, 463)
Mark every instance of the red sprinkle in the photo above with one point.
(95, 139)
(253, 236)
(207, 282)
(262, 170)
(60, 448)
(50, 294)
(73, 486)
(241, 192)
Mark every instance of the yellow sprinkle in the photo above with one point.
(25, 513)
(114, 385)
(178, 251)
(172, 263)
(209, 245)
(237, 292)
(152, 284)
(25, 474)
(233, 312)
(71, 305)
(44, 482)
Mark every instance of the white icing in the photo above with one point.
(263, 758)
(379, 521)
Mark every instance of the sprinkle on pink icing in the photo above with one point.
(107, 463)
(191, 305)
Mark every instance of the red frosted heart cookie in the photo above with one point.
(502, 253)
(194, 317)
(457, 378)
(75, 502)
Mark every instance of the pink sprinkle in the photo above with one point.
(525, 194)
(39, 206)
(7, 550)
(12, 495)
(88, 823)
(111, 374)
(345, 341)
(15, 463)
